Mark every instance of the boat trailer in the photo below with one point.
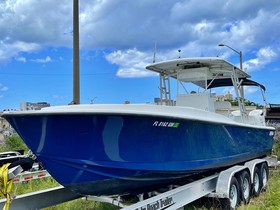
(231, 186)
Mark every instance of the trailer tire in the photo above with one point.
(264, 175)
(245, 186)
(234, 195)
(256, 185)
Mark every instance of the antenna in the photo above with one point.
(155, 51)
(179, 51)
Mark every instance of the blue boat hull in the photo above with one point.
(116, 154)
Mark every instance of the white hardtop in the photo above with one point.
(196, 69)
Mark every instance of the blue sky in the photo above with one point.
(117, 41)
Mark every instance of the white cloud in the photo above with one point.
(21, 59)
(132, 63)
(264, 56)
(133, 72)
(228, 90)
(250, 89)
(25, 47)
(11, 49)
(194, 28)
(42, 60)
(3, 88)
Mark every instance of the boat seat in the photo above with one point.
(196, 100)
(256, 117)
(222, 107)
(236, 116)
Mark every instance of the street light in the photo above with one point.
(240, 58)
(240, 53)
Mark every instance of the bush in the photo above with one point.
(276, 146)
(14, 143)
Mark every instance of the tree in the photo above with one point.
(246, 103)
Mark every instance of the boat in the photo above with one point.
(117, 149)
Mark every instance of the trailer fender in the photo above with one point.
(224, 179)
(252, 164)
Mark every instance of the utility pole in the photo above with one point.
(76, 54)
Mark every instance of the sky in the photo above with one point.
(117, 42)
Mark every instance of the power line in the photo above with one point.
(55, 74)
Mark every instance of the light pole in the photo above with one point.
(240, 59)
(240, 53)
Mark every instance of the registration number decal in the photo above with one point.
(166, 124)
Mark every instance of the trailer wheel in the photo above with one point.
(264, 175)
(245, 186)
(256, 189)
(234, 195)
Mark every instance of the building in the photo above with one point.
(33, 106)
(227, 97)
(273, 115)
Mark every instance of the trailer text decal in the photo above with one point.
(166, 124)
(160, 204)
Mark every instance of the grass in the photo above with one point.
(82, 204)
(45, 183)
(270, 197)
(34, 185)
